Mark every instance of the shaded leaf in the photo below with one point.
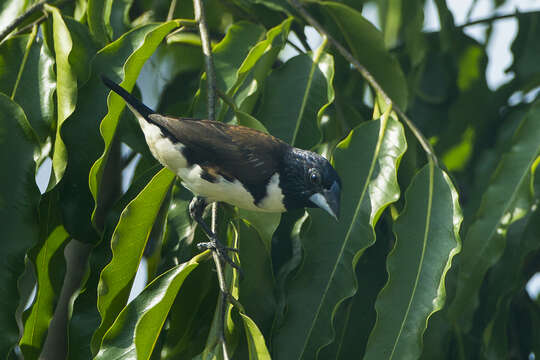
(49, 264)
(295, 96)
(367, 161)
(19, 201)
(506, 199)
(427, 238)
(367, 46)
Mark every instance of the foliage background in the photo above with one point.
(381, 283)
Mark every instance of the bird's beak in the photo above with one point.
(328, 200)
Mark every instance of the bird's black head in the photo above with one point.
(310, 181)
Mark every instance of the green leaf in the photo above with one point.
(366, 44)
(427, 238)
(134, 333)
(27, 75)
(506, 281)
(257, 65)
(49, 264)
(98, 16)
(66, 88)
(257, 288)
(367, 162)
(256, 345)
(128, 243)
(85, 318)
(295, 97)
(137, 47)
(19, 201)
(9, 10)
(229, 54)
(507, 198)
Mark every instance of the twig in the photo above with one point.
(171, 10)
(367, 75)
(208, 60)
(31, 40)
(496, 18)
(211, 86)
(20, 19)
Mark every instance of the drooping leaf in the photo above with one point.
(128, 243)
(99, 22)
(427, 238)
(506, 200)
(295, 96)
(85, 318)
(49, 264)
(19, 201)
(367, 162)
(506, 281)
(36, 84)
(366, 44)
(229, 54)
(134, 333)
(132, 52)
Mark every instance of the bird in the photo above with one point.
(247, 168)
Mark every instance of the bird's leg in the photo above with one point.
(196, 209)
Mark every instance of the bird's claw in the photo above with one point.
(222, 252)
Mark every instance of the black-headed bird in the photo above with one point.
(235, 164)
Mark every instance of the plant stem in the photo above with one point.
(211, 89)
(20, 19)
(367, 75)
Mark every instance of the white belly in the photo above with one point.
(170, 156)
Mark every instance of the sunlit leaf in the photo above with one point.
(128, 243)
(134, 333)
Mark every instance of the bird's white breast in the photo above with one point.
(232, 192)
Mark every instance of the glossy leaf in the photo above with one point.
(128, 242)
(134, 333)
(85, 318)
(367, 161)
(30, 81)
(427, 238)
(256, 346)
(295, 96)
(19, 201)
(136, 48)
(506, 199)
(366, 44)
(66, 88)
(229, 54)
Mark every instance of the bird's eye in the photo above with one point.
(314, 177)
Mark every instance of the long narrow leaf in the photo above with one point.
(367, 161)
(19, 201)
(128, 243)
(427, 238)
(133, 335)
(506, 199)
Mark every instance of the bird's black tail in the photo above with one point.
(135, 104)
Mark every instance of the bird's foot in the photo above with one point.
(222, 252)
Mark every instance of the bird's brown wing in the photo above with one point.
(235, 152)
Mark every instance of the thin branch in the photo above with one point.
(497, 18)
(208, 60)
(171, 10)
(31, 40)
(211, 89)
(20, 19)
(367, 75)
